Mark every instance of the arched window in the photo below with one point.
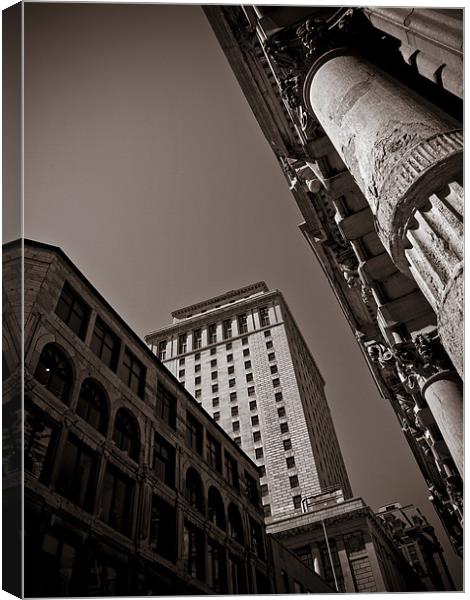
(235, 524)
(54, 372)
(92, 405)
(216, 508)
(126, 433)
(194, 491)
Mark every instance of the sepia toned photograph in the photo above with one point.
(233, 306)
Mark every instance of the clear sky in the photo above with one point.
(144, 163)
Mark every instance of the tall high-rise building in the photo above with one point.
(243, 357)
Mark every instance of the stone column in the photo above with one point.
(406, 157)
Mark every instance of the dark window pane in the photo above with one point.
(73, 310)
(126, 434)
(92, 405)
(105, 344)
(54, 372)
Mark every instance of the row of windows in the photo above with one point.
(75, 313)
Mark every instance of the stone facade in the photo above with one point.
(130, 488)
(257, 378)
(362, 108)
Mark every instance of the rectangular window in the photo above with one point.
(271, 356)
(264, 316)
(242, 324)
(133, 373)
(269, 345)
(197, 393)
(197, 356)
(281, 411)
(77, 474)
(267, 510)
(162, 350)
(255, 420)
(278, 396)
(234, 411)
(256, 538)
(284, 427)
(252, 489)
(212, 333)
(73, 311)
(287, 444)
(233, 396)
(213, 362)
(197, 339)
(246, 352)
(251, 391)
(273, 369)
(244, 341)
(215, 388)
(256, 436)
(294, 481)
(297, 500)
(253, 405)
(193, 551)
(181, 361)
(164, 457)
(181, 373)
(118, 492)
(231, 370)
(216, 416)
(237, 574)
(197, 380)
(214, 453)
(197, 368)
(163, 529)
(40, 441)
(249, 377)
(262, 470)
(228, 346)
(214, 375)
(231, 383)
(194, 433)
(276, 382)
(166, 406)
(259, 453)
(247, 364)
(290, 462)
(267, 333)
(227, 328)
(236, 426)
(231, 470)
(215, 402)
(105, 344)
(182, 343)
(213, 351)
(229, 357)
(264, 490)
(217, 568)
(238, 441)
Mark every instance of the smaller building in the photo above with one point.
(416, 539)
(346, 544)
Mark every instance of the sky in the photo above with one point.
(145, 164)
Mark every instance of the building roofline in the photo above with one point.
(140, 342)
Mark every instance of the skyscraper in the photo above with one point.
(242, 356)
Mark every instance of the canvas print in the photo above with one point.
(232, 299)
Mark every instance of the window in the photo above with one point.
(214, 375)
(194, 490)
(267, 333)
(215, 402)
(251, 391)
(213, 362)
(284, 427)
(181, 361)
(216, 416)
(229, 357)
(133, 373)
(256, 538)
(256, 436)
(233, 396)
(40, 440)
(105, 344)
(212, 333)
(57, 564)
(227, 328)
(162, 350)
(238, 441)
(197, 380)
(276, 382)
(73, 311)
(269, 344)
(215, 388)
(290, 461)
(77, 473)
(264, 316)
(259, 453)
(252, 489)
(163, 529)
(262, 470)
(247, 364)
(231, 470)
(264, 490)
(273, 369)
(197, 393)
(197, 356)
(54, 372)
(252, 404)
(271, 356)
(193, 551)
(287, 444)
(217, 569)
(216, 508)
(235, 525)
(278, 396)
(281, 411)
(164, 457)
(237, 574)
(93, 406)
(165, 408)
(297, 500)
(244, 341)
(236, 426)
(118, 491)
(255, 420)
(194, 433)
(249, 377)
(182, 343)
(213, 351)
(294, 481)
(214, 453)
(197, 339)
(234, 411)
(242, 324)
(197, 368)
(231, 383)
(228, 346)
(181, 373)
(246, 352)
(231, 370)
(126, 434)
(267, 510)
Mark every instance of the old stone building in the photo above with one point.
(243, 357)
(363, 110)
(130, 487)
